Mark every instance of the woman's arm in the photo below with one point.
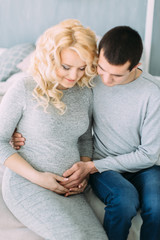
(12, 109)
(44, 179)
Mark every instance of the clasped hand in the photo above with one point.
(77, 175)
(55, 183)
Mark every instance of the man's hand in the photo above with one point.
(17, 140)
(79, 189)
(77, 173)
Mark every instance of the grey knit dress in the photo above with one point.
(54, 143)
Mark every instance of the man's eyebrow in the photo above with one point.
(100, 67)
(117, 75)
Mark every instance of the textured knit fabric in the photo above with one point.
(53, 144)
(127, 125)
(11, 57)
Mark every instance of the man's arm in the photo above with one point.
(147, 154)
(78, 172)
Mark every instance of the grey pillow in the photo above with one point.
(11, 57)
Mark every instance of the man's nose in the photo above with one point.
(107, 77)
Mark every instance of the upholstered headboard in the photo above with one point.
(24, 20)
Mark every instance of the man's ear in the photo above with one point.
(139, 64)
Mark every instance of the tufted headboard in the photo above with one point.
(25, 20)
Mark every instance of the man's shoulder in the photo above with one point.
(96, 79)
(150, 80)
(149, 86)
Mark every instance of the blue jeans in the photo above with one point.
(123, 194)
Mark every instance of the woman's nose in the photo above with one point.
(73, 74)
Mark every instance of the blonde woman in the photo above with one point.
(52, 109)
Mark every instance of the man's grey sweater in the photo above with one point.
(127, 125)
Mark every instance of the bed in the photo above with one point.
(13, 65)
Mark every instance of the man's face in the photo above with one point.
(112, 75)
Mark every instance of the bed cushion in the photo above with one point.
(2, 50)
(11, 57)
(23, 65)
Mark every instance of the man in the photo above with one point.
(125, 171)
(126, 159)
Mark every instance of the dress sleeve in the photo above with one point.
(147, 153)
(11, 111)
(85, 142)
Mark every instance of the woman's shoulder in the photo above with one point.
(20, 87)
(26, 83)
(29, 82)
(87, 92)
(80, 91)
(23, 81)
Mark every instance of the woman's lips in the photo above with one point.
(70, 80)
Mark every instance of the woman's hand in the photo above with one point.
(17, 140)
(51, 181)
(76, 190)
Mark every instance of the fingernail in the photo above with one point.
(65, 179)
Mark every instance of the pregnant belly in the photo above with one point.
(52, 161)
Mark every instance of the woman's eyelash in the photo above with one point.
(65, 67)
(82, 69)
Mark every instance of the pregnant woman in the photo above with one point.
(52, 109)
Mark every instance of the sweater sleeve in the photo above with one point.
(85, 142)
(147, 153)
(11, 111)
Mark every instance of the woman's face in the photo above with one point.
(72, 69)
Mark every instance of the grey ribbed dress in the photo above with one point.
(54, 142)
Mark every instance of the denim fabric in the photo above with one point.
(123, 195)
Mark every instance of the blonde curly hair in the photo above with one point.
(46, 59)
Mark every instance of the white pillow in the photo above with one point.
(2, 50)
(23, 65)
(11, 57)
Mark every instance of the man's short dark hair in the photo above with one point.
(122, 44)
